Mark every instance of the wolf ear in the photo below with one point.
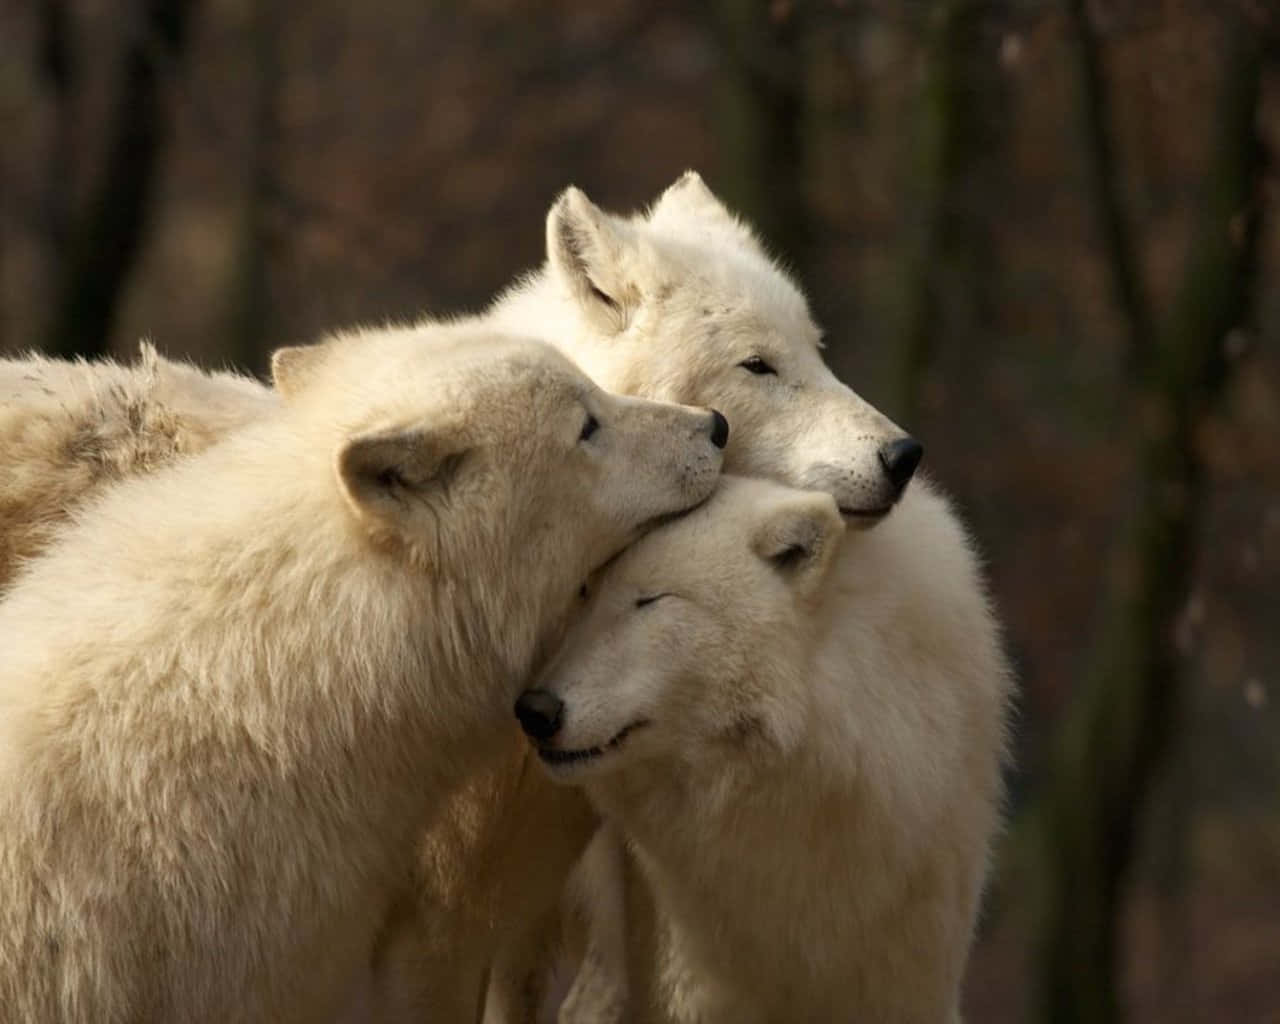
(798, 537)
(383, 474)
(690, 193)
(586, 249)
(688, 200)
(293, 367)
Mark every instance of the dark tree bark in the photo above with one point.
(1116, 731)
(58, 69)
(953, 156)
(1104, 174)
(251, 316)
(763, 117)
(104, 241)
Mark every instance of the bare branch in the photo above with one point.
(1117, 237)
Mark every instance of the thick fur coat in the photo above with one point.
(679, 302)
(69, 429)
(798, 738)
(236, 689)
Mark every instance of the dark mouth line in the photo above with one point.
(551, 756)
(670, 517)
(662, 519)
(866, 513)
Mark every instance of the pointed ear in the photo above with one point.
(384, 474)
(799, 537)
(690, 193)
(587, 249)
(293, 367)
(689, 200)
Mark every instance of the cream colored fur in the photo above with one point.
(667, 303)
(682, 302)
(670, 303)
(813, 778)
(235, 689)
(673, 302)
(67, 429)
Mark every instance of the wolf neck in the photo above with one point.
(407, 642)
(539, 305)
(344, 662)
(875, 924)
(720, 855)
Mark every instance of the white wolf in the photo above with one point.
(682, 304)
(799, 741)
(209, 790)
(680, 301)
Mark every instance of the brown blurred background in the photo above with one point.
(1041, 233)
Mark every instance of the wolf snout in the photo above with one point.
(900, 459)
(719, 429)
(540, 713)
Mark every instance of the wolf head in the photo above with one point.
(683, 304)
(696, 641)
(455, 440)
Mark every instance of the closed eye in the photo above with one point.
(589, 428)
(757, 366)
(642, 601)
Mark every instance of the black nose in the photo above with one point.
(900, 459)
(719, 429)
(539, 713)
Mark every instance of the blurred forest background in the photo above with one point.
(1043, 234)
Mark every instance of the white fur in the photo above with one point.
(692, 296)
(235, 689)
(68, 429)
(688, 296)
(813, 790)
(671, 303)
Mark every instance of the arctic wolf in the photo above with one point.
(798, 739)
(683, 304)
(679, 301)
(234, 691)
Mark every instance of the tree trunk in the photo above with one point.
(1117, 729)
(953, 153)
(762, 121)
(1108, 201)
(59, 71)
(104, 242)
(250, 302)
